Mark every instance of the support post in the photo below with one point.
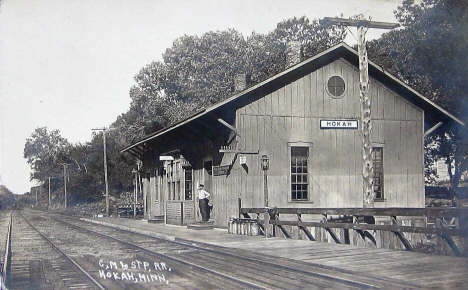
(265, 165)
(400, 236)
(267, 223)
(304, 228)
(135, 192)
(366, 121)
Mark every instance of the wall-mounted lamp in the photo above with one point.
(265, 162)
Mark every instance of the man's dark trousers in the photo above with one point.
(203, 203)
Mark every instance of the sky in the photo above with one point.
(69, 65)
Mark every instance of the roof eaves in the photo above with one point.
(407, 87)
(234, 97)
(342, 46)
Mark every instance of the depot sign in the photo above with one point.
(338, 124)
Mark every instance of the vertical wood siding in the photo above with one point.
(292, 114)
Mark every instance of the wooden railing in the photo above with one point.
(444, 222)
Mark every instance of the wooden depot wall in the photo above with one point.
(291, 115)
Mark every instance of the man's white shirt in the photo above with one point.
(203, 194)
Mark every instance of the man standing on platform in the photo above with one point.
(203, 199)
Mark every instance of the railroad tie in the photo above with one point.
(36, 274)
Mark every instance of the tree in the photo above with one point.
(430, 54)
(198, 71)
(45, 151)
(119, 166)
(82, 183)
(25, 199)
(7, 197)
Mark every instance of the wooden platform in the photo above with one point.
(417, 269)
(201, 226)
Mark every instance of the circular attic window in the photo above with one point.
(336, 87)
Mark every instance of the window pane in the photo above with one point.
(293, 161)
(299, 151)
(293, 192)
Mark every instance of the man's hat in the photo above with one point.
(201, 184)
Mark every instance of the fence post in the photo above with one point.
(267, 223)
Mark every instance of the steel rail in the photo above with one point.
(73, 262)
(209, 247)
(188, 243)
(250, 285)
(6, 274)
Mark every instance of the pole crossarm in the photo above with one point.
(358, 23)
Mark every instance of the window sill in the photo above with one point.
(380, 200)
(300, 201)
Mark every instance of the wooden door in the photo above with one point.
(157, 202)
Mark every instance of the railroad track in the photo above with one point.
(120, 265)
(36, 263)
(186, 265)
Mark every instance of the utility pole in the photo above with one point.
(65, 182)
(48, 205)
(105, 166)
(366, 122)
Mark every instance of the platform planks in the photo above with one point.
(418, 269)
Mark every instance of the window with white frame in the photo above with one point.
(377, 161)
(188, 184)
(299, 173)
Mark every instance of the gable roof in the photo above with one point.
(341, 50)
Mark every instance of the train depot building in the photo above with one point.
(304, 125)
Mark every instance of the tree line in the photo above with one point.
(429, 53)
